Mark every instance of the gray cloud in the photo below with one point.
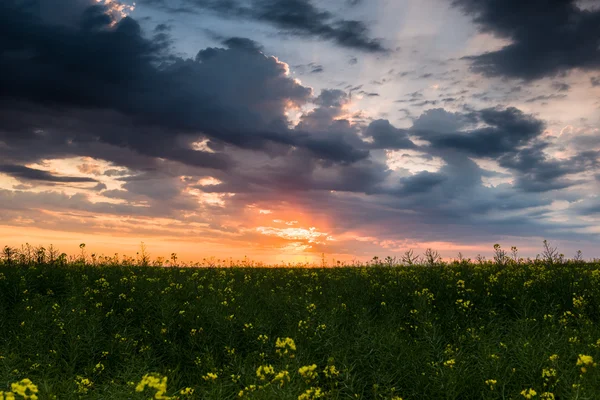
(31, 174)
(298, 17)
(549, 38)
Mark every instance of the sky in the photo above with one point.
(282, 130)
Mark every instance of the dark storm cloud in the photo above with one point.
(549, 37)
(505, 131)
(299, 17)
(242, 43)
(160, 103)
(420, 183)
(510, 137)
(537, 172)
(386, 136)
(31, 174)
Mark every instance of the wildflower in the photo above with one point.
(308, 372)
(285, 346)
(99, 368)
(548, 373)
(450, 363)
(229, 350)
(312, 393)
(83, 384)
(248, 389)
(585, 361)
(25, 388)
(547, 396)
(210, 377)
(330, 371)
(263, 338)
(553, 357)
(528, 393)
(281, 377)
(188, 391)
(491, 383)
(154, 381)
(263, 371)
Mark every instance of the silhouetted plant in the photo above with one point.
(390, 261)
(480, 259)
(550, 254)
(515, 254)
(409, 258)
(432, 257)
(578, 258)
(143, 256)
(500, 256)
(82, 255)
(8, 253)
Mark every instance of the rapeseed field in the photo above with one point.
(460, 330)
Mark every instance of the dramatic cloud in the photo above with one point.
(548, 38)
(160, 104)
(299, 17)
(114, 123)
(24, 173)
(503, 130)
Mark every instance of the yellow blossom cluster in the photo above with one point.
(311, 393)
(285, 346)
(154, 381)
(83, 384)
(264, 371)
(308, 372)
(528, 393)
(585, 361)
(24, 388)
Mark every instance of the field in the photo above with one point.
(446, 331)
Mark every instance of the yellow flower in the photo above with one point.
(547, 396)
(312, 393)
(285, 346)
(331, 371)
(210, 377)
(263, 371)
(528, 393)
(188, 391)
(585, 361)
(154, 381)
(491, 383)
(553, 357)
(7, 396)
(450, 363)
(308, 372)
(263, 338)
(548, 373)
(25, 388)
(281, 377)
(83, 384)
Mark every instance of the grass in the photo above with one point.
(445, 331)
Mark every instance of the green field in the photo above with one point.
(447, 331)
